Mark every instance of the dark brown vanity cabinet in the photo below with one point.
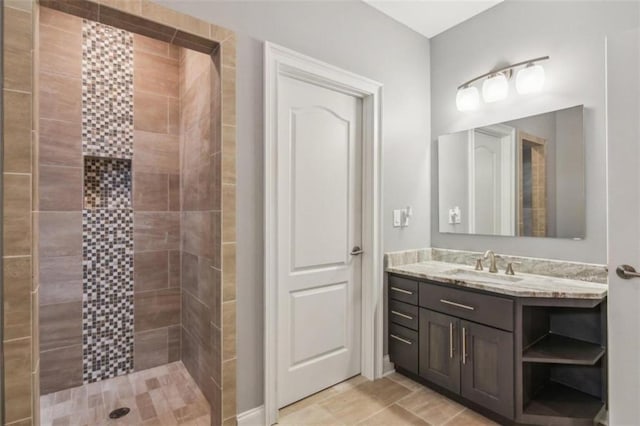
(439, 360)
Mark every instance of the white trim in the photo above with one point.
(282, 61)
(253, 417)
(387, 366)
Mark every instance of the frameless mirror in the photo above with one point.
(523, 177)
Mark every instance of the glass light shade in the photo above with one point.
(467, 98)
(530, 79)
(495, 88)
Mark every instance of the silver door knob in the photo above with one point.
(626, 272)
(356, 251)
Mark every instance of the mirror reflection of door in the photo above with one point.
(491, 180)
(532, 205)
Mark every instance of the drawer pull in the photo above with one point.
(457, 305)
(408, 342)
(400, 314)
(401, 290)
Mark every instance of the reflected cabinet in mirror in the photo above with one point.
(523, 177)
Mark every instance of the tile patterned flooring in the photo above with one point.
(391, 401)
(165, 395)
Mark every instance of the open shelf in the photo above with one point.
(560, 401)
(557, 349)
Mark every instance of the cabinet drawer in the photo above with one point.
(481, 308)
(403, 347)
(403, 314)
(403, 290)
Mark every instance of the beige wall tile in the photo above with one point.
(60, 188)
(156, 309)
(60, 279)
(17, 380)
(229, 95)
(17, 132)
(174, 192)
(151, 112)
(150, 191)
(174, 268)
(60, 143)
(151, 348)
(154, 231)
(156, 74)
(151, 271)
(155, 12)
(17, 215)
(17, 297)
(229, 51)
(35, 332)
(17, 49)
(228, 272)
(60, 234)
(60, 325)
(194, 25)
(130, 6)
(60, 369)
(174, 116)
(60, 20)
(228, 154)
(60, 51)
(229, 389)
(228, 213)
(174, 342)
(150, 45)
(20, 4)
(218, 33)
(156, 153)
(60, 97)
(229, 330)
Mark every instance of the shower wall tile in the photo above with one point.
(152, 46)
(151, 112)
(156, 153)
(157, 308)
(195, 318)
(60, 97)
(60, 20)
(156, 231)
(60, 369)
(107, 91)
(107, 183)
(151, 348)
(174, 192)
(60, 143)
(61, 50)
(229, 269)
(16, 275)
(229, 407)
(60, 188)
(17, 49)
(228, 154)
(157, 74)
(151, 270)
(174, 334)
(17, 380)
(150, 191)
(229, 327)
(60, 234)
(17, 132)
(60, 325)
(60, 279)
(17, 215)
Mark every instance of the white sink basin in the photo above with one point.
(483, 276)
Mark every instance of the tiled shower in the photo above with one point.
(129, 206)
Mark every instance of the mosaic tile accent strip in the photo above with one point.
(107, 183)
(107, 301)
(107, 91)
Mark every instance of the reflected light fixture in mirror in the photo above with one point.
(530, 79)
(467, 98)
(495, 88)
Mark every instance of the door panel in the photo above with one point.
(487, 367)
(439, 354)
(319, 221)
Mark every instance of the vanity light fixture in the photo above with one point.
(495, 87)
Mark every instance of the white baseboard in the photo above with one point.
(253, 417)
(387, 366)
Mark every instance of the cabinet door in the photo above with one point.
(487, 367)
(439, 358)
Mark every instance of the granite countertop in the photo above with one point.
(520, 284)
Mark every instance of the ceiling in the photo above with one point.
(431, 17)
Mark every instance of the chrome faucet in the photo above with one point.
(493, 268)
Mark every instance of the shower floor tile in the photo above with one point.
(165, 395)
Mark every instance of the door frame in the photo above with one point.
(280, 61)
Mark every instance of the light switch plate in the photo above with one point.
(397, 218)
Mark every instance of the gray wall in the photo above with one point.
(358, 38)
(573, 34)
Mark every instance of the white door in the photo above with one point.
(486, 179)
(623, 146)
(319, 223)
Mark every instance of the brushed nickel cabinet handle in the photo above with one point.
(457, 305)
(401, 290)
(450, 340)
(464, 345)
(400, 314)
(408, 342)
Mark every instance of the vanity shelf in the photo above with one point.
(556, 401)
(557, 349)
